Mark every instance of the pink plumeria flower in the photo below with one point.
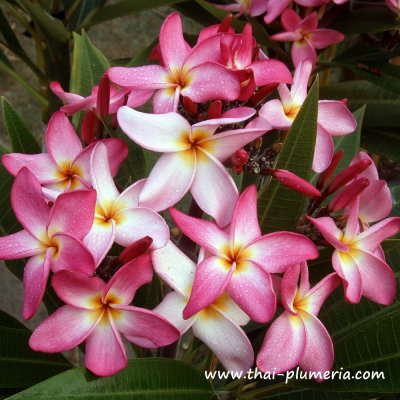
(51, 237)
(357, 257)
(306, 36)
(242, 261)
(238, 52)
(66, 166)
(334, 118)
(97, 313)
(394, 5)
(253, 8)
(297, 336)
(376, 199)
(218, 325)
(195, 73)
(118, 217)
(192, 158)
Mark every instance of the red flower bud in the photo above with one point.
(295, 183)
(348, 194)
(135, 249)
(103, 97)
(240, 157)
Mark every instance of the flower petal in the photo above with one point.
(166, 100)
(175, 268)
(169, 180)
(290, 20)
(289, 288)
(274, 9)
(329, 231)
(301, 51)
(300, 82)
(335, 118)
(322, 38)
(270, 71)
(274, 113)
(323, 152)
(283, 345)
(63, 330)
(251, 288)
(211, 277)
(19, 245)
(375, 202)
(225, 339)
(129, 198)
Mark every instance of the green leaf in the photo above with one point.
(371, 19)
(385, 142)
(396, 201)
(21, 138)
(150, 378)
(279, 208)
(88, 65)
(77, 11)
(21, 367)
(125, 7)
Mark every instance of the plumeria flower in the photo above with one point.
(241, 262)
(238, 54)
(97, 313)
(194, 73)
(306, 36)
(218, 325)
(253, 8)
(66, 166)
(51, 237)
(297, 336)
(394, 5)
(334, 118)
(192, 158)
(357, 258)
(118, 217)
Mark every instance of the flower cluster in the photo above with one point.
(100, 243)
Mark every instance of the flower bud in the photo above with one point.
(135, 249)
(215, 109)
(103, 97)
(325, 176)
(295, 183)
(348, 194)
(240, 157)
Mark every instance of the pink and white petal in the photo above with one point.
(378, 280)
(274, 9)
(251, 288)
(225, 339)
(353, 224)
(304, 285)
(274, 113)
(41, 165)
(322, 38)
(275, 252)
(372, 237)
(232, 116)
(169, 180)
(286, 37)
(129, 198)
(290, 20)
(244, 52)
(213, 188)
(138, 97)
(323, 152)
(301, 51)
(375, 202)
(270, 71)
(19, 245)
(211, 278)
(117, 151)
(62, 141)
(73, 213)
(310, 22)
(123, 285)
(84, 104)
(226, 306)
(63, 330)
(318, 351)
(211, 81)
(175, 268)
(105, 353)
(258, 7)
(100, 239)
(144, 327)
(283, 345)
(315, 298)
(135, 223)
(289, 288)
(103, 183)
(371, 172)
(29, 205)
(259, 123)
(171, 308)
(149, 77)
(223, 145)
(72, 255)
(78, 289)
(300, 82)
(329, 231)
(36, 274)
(174, 49)
(166, 100)
(335, 118)
(347, 269)
(161, 132)
(65, 97)
(244, 227)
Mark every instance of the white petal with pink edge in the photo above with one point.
(19, 245)
(335, 118)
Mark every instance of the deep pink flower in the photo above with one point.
(253, 8)
(297, 336)
(97, 312)
(241, 262)
(306, 36)
(195, 73)
(51, 237)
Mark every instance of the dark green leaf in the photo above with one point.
(280, 208)
(385, 142)
(78, 10)
(396, 201)
(21, 367)
(150, 379)
(88, 65)
(7, 34)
